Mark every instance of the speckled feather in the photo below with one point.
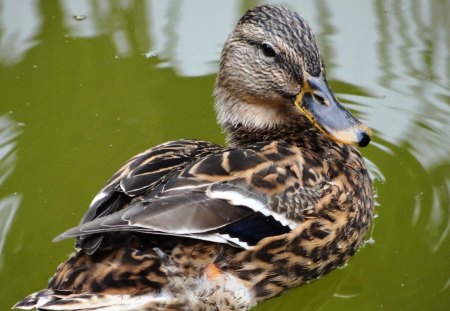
(190, 225)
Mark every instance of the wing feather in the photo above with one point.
(144, 172)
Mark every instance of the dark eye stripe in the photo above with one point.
(266, 48)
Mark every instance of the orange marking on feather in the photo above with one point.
(212, 272)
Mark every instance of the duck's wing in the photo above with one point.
(139, 175)
(234, 196)
(145, 172)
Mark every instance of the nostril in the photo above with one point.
(320, 99)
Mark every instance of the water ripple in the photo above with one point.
(9, 131)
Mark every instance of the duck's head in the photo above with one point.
(272, 75)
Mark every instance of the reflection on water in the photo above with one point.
(17, 37)
(416, 60)
(8, 158)
(388, 61)
(162, 29)
(8, 208)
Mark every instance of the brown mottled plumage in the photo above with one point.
(190, 225)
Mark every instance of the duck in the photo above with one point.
(193, 225)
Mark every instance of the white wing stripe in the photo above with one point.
(237, 198)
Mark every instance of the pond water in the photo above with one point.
(85, 85)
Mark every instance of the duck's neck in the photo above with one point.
(239, 134)
(299, 131)
(250, 122)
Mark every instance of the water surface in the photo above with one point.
(78, 96)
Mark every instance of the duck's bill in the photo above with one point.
(320, 106)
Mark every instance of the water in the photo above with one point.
(85, 85)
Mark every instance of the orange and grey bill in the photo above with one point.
(317, 102)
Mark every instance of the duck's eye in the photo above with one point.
(268, 50)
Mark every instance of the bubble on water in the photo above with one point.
(370, 241)
(79, 17)
(151, 54)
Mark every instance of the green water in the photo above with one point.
(78, 96)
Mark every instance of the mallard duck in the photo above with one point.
(191, 225)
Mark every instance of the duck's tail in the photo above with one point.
(48, 299)
(32, 301)
(130, 273)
